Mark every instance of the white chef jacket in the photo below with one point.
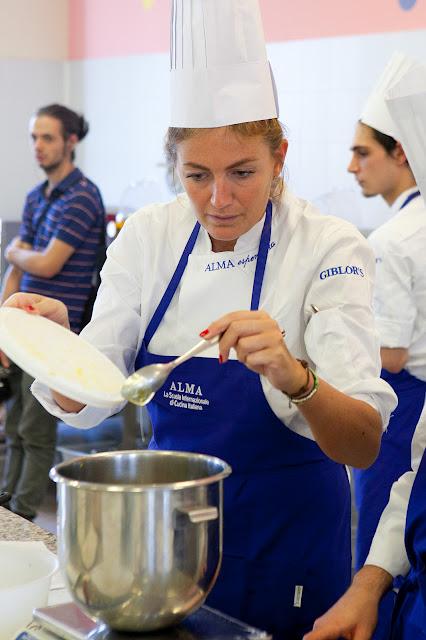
(388, 547)
(313, 260)
(400, 291)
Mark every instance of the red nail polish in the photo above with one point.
(204, 333)
(29, 307)
(220, 358)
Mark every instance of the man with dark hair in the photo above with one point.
(388, 154)
(380, 166)
(56, 253)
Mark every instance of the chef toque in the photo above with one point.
(406, 102)
(220, 74)
(376, 113)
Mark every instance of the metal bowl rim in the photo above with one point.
(55, 473)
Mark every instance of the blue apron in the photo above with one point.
(409, 621)
(373, 485)
(286, 505)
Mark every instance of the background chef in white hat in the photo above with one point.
(286, 414)
(379, 163)
(399, 543)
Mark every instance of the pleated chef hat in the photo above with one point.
(406, 101)
(220, 73)
(376, 113)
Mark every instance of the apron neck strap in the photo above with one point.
(262, 256)
(173, 285)
(408, 199)
(176, 278)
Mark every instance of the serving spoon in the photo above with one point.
(141, 386)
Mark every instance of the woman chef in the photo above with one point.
(286, 414)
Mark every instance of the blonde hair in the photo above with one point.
(271, 131)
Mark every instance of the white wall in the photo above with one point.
(25, 86)
(322, 85)
(33, 47)
(126, 103)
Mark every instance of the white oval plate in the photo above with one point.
(60, 358)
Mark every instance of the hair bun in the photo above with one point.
(83, 128)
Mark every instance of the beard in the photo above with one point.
(52, 167)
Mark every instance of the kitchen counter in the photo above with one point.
(204, 624)
(15, 528)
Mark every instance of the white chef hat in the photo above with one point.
(220, 74)
(376, 113)
(406, 102)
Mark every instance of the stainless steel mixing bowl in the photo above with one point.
(140, 534)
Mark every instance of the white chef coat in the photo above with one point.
(400, 293)
(388, 547)
(313, 260)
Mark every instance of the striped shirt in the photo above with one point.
(74, 213)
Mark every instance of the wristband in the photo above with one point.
(306, 392)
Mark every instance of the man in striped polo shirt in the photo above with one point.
(56, 253)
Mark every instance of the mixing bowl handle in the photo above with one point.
(194, 515)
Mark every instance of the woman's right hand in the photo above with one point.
(53, 310)
(40, 305)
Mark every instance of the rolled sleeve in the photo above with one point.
(395, 335)
(85, 419)
(338, 335)
(393, 301)
(341, 339)
(348, 358)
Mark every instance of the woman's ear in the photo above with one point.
(280, 155)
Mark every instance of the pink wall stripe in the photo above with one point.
(299, 19)
(104, 28)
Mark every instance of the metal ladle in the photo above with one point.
(141, 386)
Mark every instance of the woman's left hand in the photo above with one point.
(259, 344)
